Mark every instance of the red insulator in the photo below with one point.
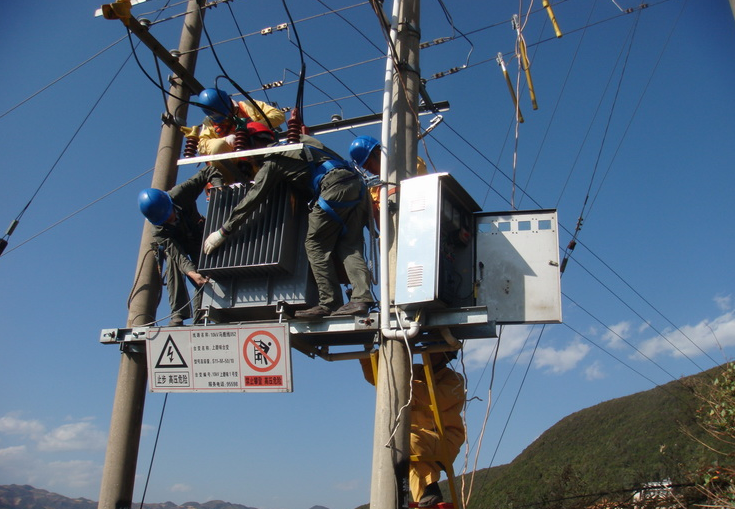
(190, 149)
(295, 127)
(294, 130)
(242, 140)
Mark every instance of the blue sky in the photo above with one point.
(635, 113)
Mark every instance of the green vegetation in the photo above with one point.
(603, 454)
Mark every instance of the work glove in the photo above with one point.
(215, 240)
(230, 139)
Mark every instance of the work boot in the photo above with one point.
(432, 496)
(352, 308)
(311, 313)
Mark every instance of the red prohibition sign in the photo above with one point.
(262, 351)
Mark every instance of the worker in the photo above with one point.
(365, 153)
(449, 389)
(335, 223)
(178, 229)
(224, 116)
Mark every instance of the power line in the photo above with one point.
(57, 223)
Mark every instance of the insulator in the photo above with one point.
(242, 140)
(190, 149)
(294, 130)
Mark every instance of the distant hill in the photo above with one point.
(15, 496)
(605, 450)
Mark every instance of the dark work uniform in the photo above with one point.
(325, 236)
(182, 242)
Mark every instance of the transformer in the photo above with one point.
(259, 265)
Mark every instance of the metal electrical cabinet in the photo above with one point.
(262, 263)
(517, 266)
(434, 255)
(450, 255)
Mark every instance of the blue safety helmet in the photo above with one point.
(361, 147)
(215, 103)
(156, 205)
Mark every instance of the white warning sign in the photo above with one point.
(253, 358)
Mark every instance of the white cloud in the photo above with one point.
(692, 340)
(478, 352)
(11, 453)
(73, 437)
(615, 335)
(73, 474)
(58, 460)
(724, 302)
(180, 488)
(561, 361)
(594, 371)
(11, 424)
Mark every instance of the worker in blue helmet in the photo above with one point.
(224, 116)
(178, 229)
(335, 223)
(365, 152)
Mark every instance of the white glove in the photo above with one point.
(215, 240)
(230, 139)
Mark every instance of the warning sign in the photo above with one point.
(253, 358)
(170, 356)
(262, 351)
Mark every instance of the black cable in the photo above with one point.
(449, 18)
(639, 316)
(299, 103)
(10, 231)
(354, 94)
(67, 73)
(247, 50)
(153, 454)
(621, 338)
(76, 212)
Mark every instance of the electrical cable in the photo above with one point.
(643, 319)
(10, 231)
(153, 453)
(558, 99)
(671, 376)
(449, 18)
(67, 73)
(252, 101)
(466, 500)
(299, 103)
(640, 100)
(332, 11)
(57, 223)
(536, 203)
(515, 401)
(397, 421)
(247, 50)
(341, 82)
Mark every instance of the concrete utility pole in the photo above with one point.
(391, 444)
(118, 476)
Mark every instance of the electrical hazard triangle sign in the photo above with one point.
(170, 356)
